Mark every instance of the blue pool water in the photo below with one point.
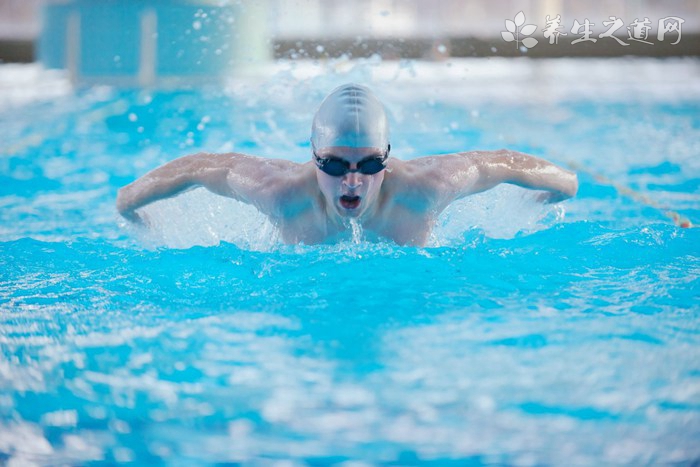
(523, 334)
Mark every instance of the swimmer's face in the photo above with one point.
(351, 194)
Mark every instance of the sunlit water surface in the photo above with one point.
(523, 334)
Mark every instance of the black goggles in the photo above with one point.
(337, 167)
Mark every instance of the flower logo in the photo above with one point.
(515, 29)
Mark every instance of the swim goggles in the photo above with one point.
(337, 167)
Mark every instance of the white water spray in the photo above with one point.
(357, 232)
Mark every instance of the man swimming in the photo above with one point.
(350, 177)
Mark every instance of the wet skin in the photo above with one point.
(399, 203)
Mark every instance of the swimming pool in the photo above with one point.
(524, 334)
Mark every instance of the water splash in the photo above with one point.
(357, 232)
(200, 218)
(504, 212)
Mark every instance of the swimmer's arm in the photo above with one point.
(463, 174)
(245, 178)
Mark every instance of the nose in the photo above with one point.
(352, 180)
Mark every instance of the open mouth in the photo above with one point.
(349, 202)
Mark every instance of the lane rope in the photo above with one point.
(678, 219)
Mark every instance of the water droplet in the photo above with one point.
(320, 49)
(197, 25)
(133, 117)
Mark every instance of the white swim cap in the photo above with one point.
(351, 116)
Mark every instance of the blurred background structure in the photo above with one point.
(144, 41)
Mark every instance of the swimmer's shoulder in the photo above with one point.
(269, 184)
(279, 174)
(294, 176)
(415, 183)
(295, 188)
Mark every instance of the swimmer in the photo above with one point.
(350, 176)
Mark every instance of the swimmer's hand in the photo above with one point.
(136, 218)
(129, 213)
(551, 197)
